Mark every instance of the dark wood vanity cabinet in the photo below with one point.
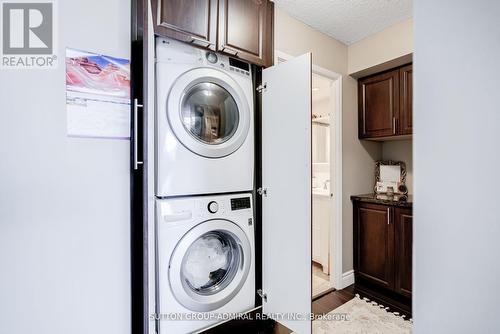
(385, 104)
(240, 28)
(383, 246)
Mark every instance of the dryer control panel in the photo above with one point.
(224, 62)
(173, 51)
(240, 203)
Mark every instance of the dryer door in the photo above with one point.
(208, 112)
(209, 265)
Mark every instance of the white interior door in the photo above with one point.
(286, 206)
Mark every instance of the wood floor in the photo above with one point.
(321, 305)
(324, 304)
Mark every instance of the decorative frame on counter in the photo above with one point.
(402, 189)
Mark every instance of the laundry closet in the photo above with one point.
(222, 173)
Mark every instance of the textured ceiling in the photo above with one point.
(348, 20)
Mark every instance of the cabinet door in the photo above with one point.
(246, 30)
(378, 105)
(406, 97)
(403, 251)
(374, 244)
(192, 21)
(286, 261)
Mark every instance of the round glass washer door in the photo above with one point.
(209, 265)
(208, 112)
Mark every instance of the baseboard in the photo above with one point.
(347, 278)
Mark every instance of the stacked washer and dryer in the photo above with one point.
(204, 180)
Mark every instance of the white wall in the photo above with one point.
(388, 44)
(456, 146)
(382, 47)
(295, 38)
(64, 202)
(321, 132)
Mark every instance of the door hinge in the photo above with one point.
(262, 88)
(262, 295)
(262, 192)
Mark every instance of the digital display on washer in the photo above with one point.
(240, 203)
(239, 64)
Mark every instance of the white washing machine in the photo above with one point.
(205, 260)
(205, 131)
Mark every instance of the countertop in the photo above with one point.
(397, 200)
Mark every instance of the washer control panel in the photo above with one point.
(213, 207)
(180, 210)
(212, 57)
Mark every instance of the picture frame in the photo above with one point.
(390, 173)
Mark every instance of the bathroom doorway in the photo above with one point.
(322, 107)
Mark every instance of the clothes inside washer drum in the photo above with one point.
(206, 262)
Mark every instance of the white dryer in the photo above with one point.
(205, 260)
(205, 131)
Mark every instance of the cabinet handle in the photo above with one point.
(388, 216)
(136, 135)
(394, 125)
(197, 40)
(230, 51)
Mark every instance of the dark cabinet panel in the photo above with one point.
(378, 105)
(406, 98)
(192, 21)
(246, 30)
(374, 244)
(383, 247)
(403, 250)
(385, 108)
(241, 28)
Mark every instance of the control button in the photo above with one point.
(213, 207)
(211, 57)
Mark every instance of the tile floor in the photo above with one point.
(320, 281)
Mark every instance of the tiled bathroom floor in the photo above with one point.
(320, 281)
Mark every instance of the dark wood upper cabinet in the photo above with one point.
(378, 105)
(383, 247)
(374, 244)
(403, 250)
(385, 105)
(406, 98)
(240, 28)
(246, 30)
(192, 21)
